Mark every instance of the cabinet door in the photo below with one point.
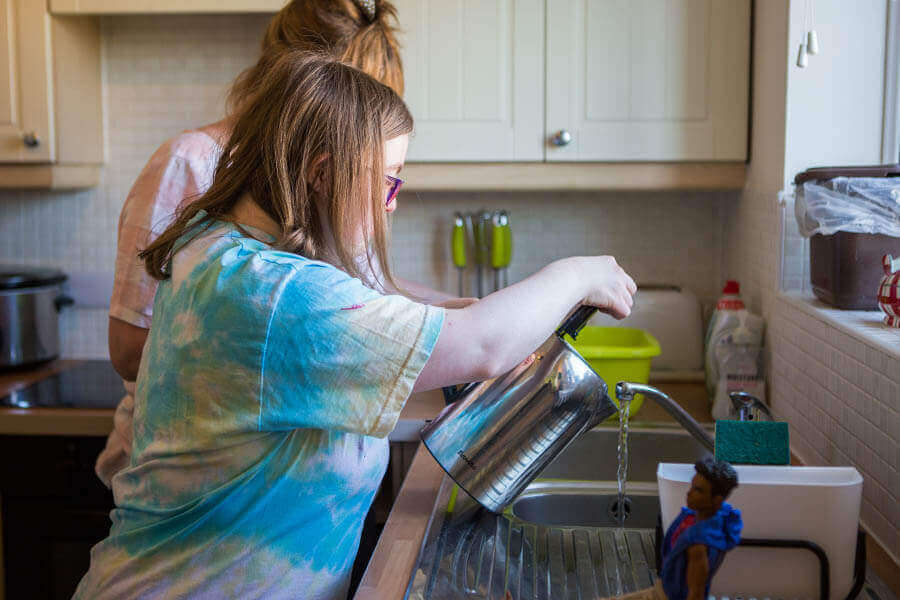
(648, 80)
(474, 71)
(118, 7)
(25, 82)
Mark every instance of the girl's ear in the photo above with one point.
(318, 175)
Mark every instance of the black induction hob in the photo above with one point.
(90, 384)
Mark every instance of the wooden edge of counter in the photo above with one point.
(388, 572)
(97, 422)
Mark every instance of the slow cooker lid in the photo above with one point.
(16, 277)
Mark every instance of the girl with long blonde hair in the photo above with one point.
(272, 375)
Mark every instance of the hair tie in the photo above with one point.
(367, 7)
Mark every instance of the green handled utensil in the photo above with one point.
(501, 248)
(480, 223)
(458, 247)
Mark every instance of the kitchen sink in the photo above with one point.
(559, 539)
(555, 505)
(593, 456)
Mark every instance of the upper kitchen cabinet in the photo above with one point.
(648, 80)
(122, 7)
(25, 85)
(474, 75)
(577, 80)
(50, 98)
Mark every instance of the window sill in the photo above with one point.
(866, 326)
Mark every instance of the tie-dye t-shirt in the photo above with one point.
(268, 385)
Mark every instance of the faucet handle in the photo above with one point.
(745, 404)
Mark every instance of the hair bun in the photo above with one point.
(367, 7)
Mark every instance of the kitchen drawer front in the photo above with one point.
(52, 467)
(47, 546)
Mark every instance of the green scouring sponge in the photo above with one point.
(753, 442)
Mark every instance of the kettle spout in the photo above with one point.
(605, 409)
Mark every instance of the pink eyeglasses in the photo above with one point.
(394, 184)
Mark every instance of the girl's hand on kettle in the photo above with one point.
(488, 338)
(608, 286)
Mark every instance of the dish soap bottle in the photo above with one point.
(726, 310)
(733, 347)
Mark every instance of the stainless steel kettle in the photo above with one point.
(501, 433)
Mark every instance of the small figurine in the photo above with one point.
(698, 539)
(889, 290)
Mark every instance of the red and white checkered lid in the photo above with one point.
(889, 290)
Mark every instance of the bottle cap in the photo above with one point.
(732, 288)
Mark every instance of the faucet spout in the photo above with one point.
(626, 391)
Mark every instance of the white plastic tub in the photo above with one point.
(818, 504)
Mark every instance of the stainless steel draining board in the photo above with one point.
(473, 553)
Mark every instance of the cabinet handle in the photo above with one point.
(31, 139)
(561, 138)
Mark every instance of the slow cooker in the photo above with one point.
(30, 301)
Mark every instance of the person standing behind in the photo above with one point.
(359, 33)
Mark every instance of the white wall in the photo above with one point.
(840, 394)
(835, 105)
(752, 238)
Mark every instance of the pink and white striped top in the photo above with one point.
(179, 171)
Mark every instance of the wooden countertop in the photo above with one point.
(99, 422)
(389, 569)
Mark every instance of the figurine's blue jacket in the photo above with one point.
(720, 533)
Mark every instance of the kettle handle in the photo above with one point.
(576, 321)
(452, 393)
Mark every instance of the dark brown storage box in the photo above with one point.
(845, 268)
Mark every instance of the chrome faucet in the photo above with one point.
(749, 407)
(626, 391)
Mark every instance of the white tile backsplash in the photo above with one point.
(683, 248)
(853, 421)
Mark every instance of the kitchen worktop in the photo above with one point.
(98, 422)
(389, 569)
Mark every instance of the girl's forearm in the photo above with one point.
(494, 334)
(532, 308)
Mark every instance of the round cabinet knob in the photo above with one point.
(31, 140)
(561, 138)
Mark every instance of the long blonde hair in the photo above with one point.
(312, 119)
(337, 28)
